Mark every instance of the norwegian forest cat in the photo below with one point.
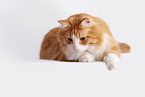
(83, 38)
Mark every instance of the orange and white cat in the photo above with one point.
(83, 38)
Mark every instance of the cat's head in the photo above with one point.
(80, 31)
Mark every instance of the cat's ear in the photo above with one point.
(86, 23)
(64, 23)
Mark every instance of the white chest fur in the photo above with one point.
(97, 54)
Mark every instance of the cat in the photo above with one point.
(83, 38)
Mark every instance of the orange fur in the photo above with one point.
(54, 44)
(50, 48)
(125, 48)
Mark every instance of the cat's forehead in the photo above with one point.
(78, 24)
(76, 20)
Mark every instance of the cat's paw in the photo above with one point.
(111, 60)
(86, 58)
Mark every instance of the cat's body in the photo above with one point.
(82, 38)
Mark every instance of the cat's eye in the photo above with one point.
(82, 38)
(70, 39)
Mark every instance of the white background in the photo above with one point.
(23, 24)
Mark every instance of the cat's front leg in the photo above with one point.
(86, 57)
(112, 60)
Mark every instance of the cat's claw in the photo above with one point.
(112, 61)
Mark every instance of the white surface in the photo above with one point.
(23, 23)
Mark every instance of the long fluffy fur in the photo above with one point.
(54, 43)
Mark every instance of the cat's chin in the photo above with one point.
(73, 55)
(76, 52)
(79, 52)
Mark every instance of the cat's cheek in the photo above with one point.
(84, 43)
(66, 43)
